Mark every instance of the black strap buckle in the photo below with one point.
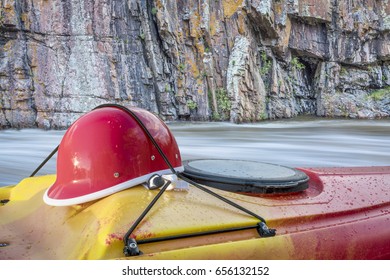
(131, 249)
(265, 231)
(155, 182)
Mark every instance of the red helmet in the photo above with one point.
(106, 151)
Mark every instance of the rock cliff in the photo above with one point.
(231, 60)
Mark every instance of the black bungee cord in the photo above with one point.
(131, 246)
(45, 161)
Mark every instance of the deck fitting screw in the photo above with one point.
(153, 157)
(116, 174)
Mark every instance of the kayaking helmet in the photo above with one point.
(109, 150)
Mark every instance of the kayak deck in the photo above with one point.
(343, 214)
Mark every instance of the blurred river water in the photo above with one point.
(300, 142)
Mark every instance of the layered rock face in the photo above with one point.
(193, 60)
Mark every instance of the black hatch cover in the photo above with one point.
(244, 176)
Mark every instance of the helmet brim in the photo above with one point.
(58, 201)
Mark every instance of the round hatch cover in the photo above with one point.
(244, 176)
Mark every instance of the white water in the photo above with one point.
(296, 142)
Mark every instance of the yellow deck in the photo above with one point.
(314, 224)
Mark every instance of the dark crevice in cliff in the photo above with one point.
(64, 78)
(67, 16)
(227, 43)
(334, 29)
(93, 24)
(156, 32)
(145, 8)
(118, 15)
(168, 63)
(31, 88)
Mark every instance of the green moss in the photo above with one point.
(223, 100)
(262, 116)
(224, 104)
(154, 11)
(192, 105)
(296, 64)
(343, 71)
(266, 64)
(181, 67)
(380, 94)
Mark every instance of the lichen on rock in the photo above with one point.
(262, 58)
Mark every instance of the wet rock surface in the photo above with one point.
(230, 60)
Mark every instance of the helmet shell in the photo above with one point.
(106, 151)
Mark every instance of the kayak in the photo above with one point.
(128, 195)
(343, 214)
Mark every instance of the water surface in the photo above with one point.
(295, 142)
